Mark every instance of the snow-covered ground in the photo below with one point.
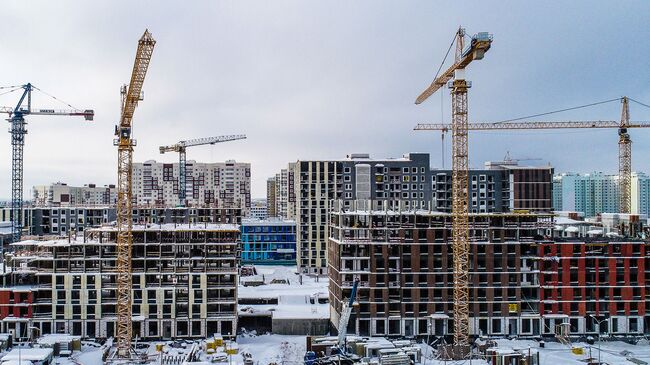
(289, 350)
(295, 299)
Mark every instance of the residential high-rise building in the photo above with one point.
(219, 185)
(640, 194)
(271, 198)
(406, 181)
(526, 187)
(63, 195)
(283, 187)
(522, 282)
(184, 283)
(590, 194)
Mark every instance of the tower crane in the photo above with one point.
(130, 98)
(455, 76)
(624, 142)
(181, 147)
(17, 119)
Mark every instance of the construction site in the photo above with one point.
(361, 261)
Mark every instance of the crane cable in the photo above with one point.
(10, 91)
(560, 110)
(55, 98)
(640, 103)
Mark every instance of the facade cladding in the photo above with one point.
(64, 221)
(409, 181)
(218, 185)
(184, 283)
(522, 282)
(270, 241)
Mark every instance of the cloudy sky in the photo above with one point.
(318, 80)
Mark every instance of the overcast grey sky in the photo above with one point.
(318, 79)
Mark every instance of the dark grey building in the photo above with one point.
(408, 182)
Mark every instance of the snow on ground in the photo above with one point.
(310, 285)
(294, 299)
(289, 350)
(280, 349)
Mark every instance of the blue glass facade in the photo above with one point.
(268, 242)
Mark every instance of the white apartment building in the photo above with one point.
(259, 209)
(282, 182)
(640, 193)
(64, 195)
(218, 184)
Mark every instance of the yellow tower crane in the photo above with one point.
(624, 142)
(124, 143)
(455, 76)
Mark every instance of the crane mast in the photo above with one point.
(625, 160)
(624, 142)
(455, 77)
(18, 132)
(181, 148)
(125, 143)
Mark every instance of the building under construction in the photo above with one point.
(184, 283)
(522, 281)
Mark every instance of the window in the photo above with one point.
(422, 170)
(414, 170)
(347, 178)
(347, 170)
(415, 178)
(496, 325)
(348, 186)
(405, 170)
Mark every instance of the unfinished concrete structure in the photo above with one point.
(184, 281)
(407, 181)
(73, 220)
(403, 260)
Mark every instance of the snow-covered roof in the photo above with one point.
(176, 227)
(267, 222)
(29, 354)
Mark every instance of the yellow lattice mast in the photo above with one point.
(124, 143)
(455, 76)
(625, 160)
